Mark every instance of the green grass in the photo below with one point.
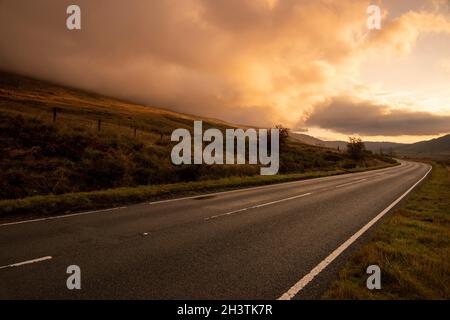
(47, 205)
(412, 248)
(68, 165)
(41, 157)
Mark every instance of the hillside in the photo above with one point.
(373, 146)
(306, 139)
(97, 143)
(436, 148)
(25, 95)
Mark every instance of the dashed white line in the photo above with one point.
(258, 206)
(296, 288)
(18, 264)
(196, 196)
(350, 183)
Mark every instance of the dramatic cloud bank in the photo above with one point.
(365, 118)
(257, 62)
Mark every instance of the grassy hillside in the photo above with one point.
(306, 139)
(129, 147)
(434, 149)
(83, 109)
(374, 146)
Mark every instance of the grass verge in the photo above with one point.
(41, 206)
(412, 248)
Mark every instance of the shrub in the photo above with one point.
(356, 149)
(40, 158)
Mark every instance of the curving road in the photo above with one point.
(261, 243)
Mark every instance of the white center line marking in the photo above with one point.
(304, 181)
(350, 183)
(296, 288)
(258, 206)
(18, 264)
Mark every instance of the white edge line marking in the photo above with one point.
(258, 206)
(296, 288)
(336, 176)
(60, 217)
(18, 264)
(200, 195)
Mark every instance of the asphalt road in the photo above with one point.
(248, 244)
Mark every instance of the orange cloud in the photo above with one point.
(256, 61)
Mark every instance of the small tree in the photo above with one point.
(356, 148)
(284, 135)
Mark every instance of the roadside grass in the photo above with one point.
(412, 248)
(56, 140)
(96, 152)
(48, 205)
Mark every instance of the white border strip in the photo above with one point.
(303, 282)
(60, 217)
(202, 195)
(301, 181)
(18, 264)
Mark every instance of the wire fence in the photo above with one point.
(94, 123)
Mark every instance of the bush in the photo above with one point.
(349, 164)
(40, 158)
(356, 149)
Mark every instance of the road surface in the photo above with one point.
(259, 243)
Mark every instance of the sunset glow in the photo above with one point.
(255, 62)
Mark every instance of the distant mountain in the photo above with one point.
(373, 146)
(434, 149)
(383, 146)
(342, 145)
(437, 148)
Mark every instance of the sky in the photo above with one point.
(313, 66)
